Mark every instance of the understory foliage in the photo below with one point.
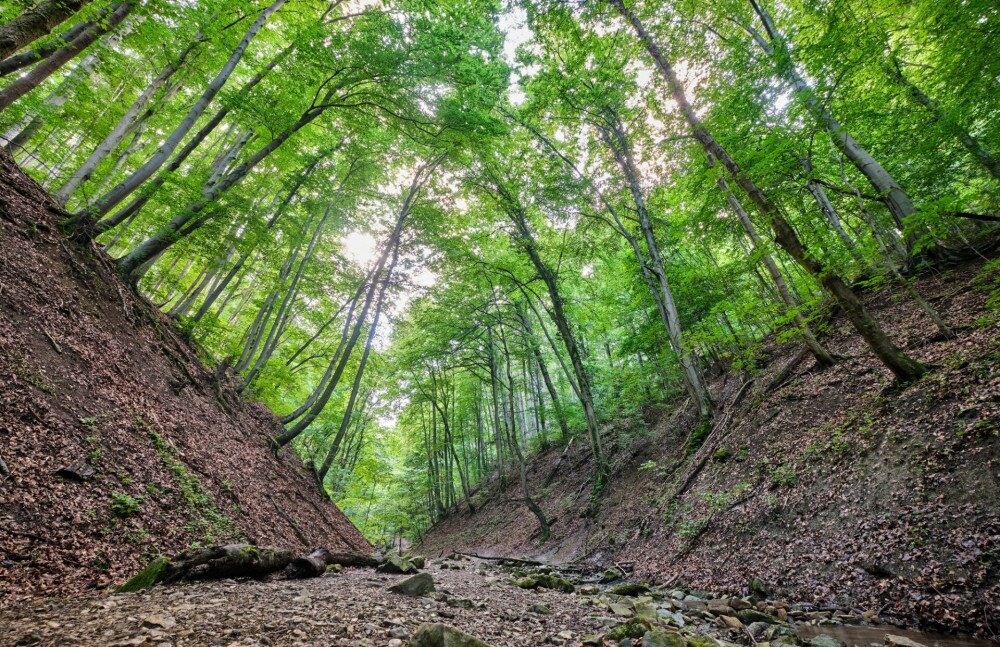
(436, 237)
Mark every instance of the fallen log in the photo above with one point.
(312, 565)
(355, 560)
(222, 562)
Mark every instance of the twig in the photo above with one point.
(52, 341)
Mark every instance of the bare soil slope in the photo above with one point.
(92, 379)
(832, 486)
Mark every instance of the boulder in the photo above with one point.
(438, 635)
(635, 628)
(415, 586)
(419, 561)
(396, 564)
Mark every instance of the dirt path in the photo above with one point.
(351, 608)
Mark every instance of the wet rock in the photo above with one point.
(719, 607)
(610, 576)
(823, 640)
(80, 472)
(438, 635)
(415, 586)
(662, 638)
(893, 640)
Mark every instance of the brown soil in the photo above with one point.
(91, 374)
(836, 487)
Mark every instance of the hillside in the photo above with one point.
(835, 487)
(118, 443)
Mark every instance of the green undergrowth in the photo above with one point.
(210, 520)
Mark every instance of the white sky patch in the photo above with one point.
(359, 247)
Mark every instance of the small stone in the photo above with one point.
(565, 635)
(159, 620)
(395, 642)
(731, 622)
(540, 609)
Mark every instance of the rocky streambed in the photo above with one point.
(452, 602)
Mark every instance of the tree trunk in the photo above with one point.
(970, 143)
(902, 366)
(35, 23)
(104, 204)
(125, 125)
(896, 199)
(43, 70)
(618, 143)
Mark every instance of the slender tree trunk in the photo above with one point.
(125, 125)
(822, 355)
(904, 367)
(616, 140)
(422, 175)
(952, 126)
(527, 242)
(104, 204)
(191, 217)
(896, 199)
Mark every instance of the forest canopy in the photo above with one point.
(436, 236)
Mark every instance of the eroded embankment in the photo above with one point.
(119, 443)
(834, 487)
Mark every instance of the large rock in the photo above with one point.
(750, 616)
(630, 589)
(662, 638)
(438, 635)
(396, 564)
(539, 581)
(823, 640)
(892, 640)
(415, 586)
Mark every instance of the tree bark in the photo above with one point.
(60, 57)
(35, 23)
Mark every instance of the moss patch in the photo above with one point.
(147, 577)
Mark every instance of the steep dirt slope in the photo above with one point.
(833, 486)
(93, 378)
